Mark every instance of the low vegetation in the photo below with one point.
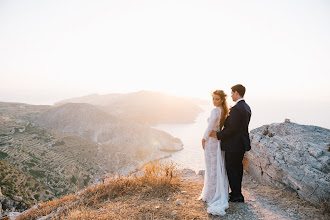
(160, 191)
(13, 184)
(155, 181)
(3, 155)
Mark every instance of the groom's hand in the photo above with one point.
(213, 134)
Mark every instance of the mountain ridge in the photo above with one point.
(145, 107)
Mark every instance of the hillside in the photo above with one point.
(160, 191)
(88, 121)
(19, 188)
(44, 170)
(144, 106)
(59, 150)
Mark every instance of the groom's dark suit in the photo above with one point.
(235, 141)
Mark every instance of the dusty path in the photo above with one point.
(261, 202)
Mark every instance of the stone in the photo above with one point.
(289, 155)
(18, 198)
(325, 160)
(173, 213)
(314, 163)
(315, 152)
(201, 172)
(13, 215)
(13, 131)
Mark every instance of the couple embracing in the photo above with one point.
(225, 141)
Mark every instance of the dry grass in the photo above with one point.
(155, 181)
(158, 192)
(325, 205)
(290, 201)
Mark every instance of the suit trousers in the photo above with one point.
(234, 167)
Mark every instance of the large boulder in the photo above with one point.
(292, 156)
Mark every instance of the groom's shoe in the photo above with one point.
(236, 199)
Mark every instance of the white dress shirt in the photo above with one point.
(239, 100)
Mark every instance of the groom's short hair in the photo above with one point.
(239, 88)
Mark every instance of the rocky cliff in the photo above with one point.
(292, 156)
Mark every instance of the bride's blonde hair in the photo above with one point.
(224, 104)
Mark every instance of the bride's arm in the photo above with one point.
(212, 121)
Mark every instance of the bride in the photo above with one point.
(215, 190)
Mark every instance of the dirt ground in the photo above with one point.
(262, 202)
(157, 198)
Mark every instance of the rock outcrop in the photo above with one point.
(292, 156)
(10, 204)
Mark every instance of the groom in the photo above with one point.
(235, 141)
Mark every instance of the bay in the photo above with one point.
(192, 155)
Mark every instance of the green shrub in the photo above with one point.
(36, 196)
(73, 179)
(37, 173)
(3, 155)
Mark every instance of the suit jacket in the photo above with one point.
(235, 134)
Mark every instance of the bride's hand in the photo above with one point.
(213, 134)
(203, 144)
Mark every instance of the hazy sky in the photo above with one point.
(52, 50)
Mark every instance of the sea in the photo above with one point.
(192, 155)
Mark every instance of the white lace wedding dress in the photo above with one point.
(215, 190)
